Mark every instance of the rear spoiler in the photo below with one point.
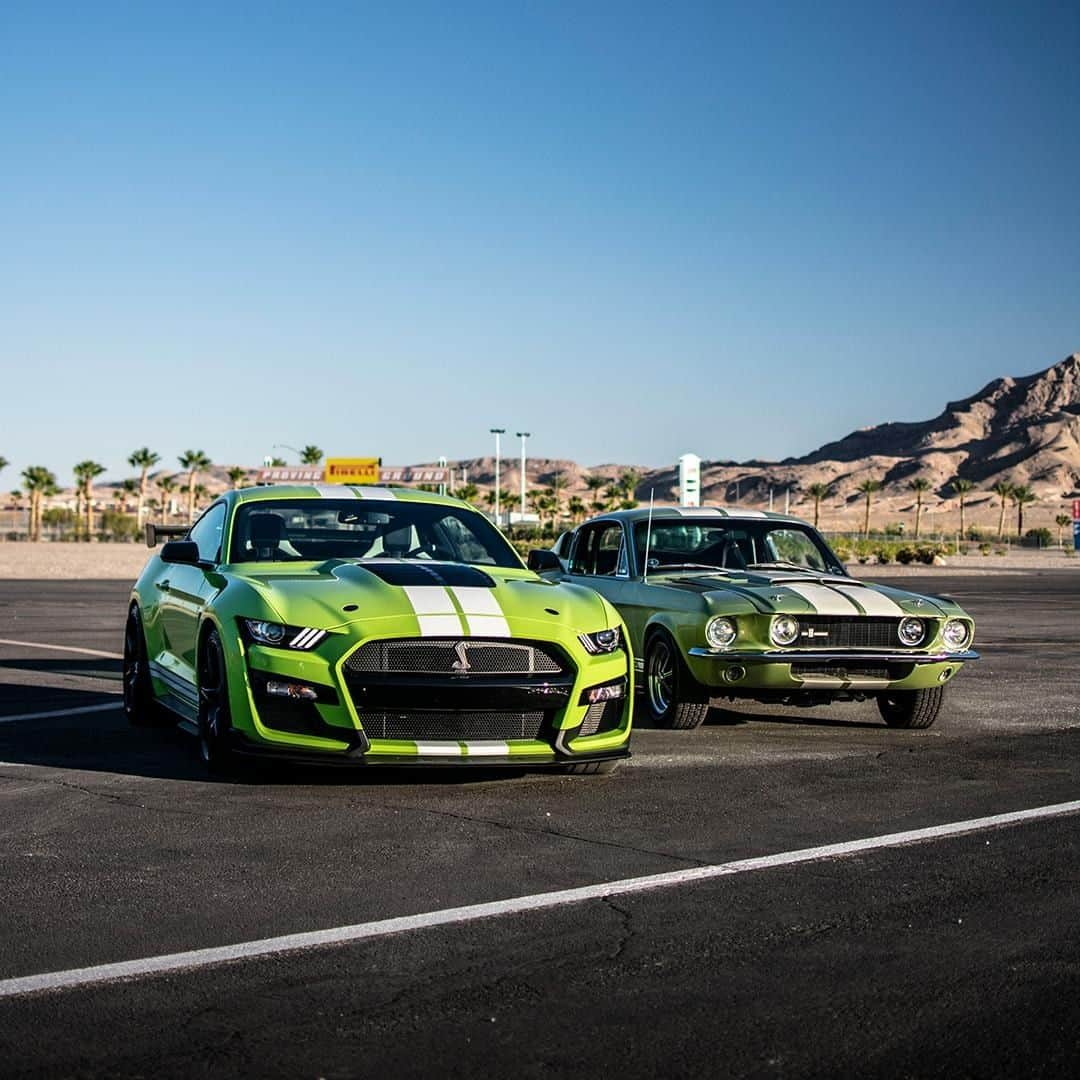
(155, 532)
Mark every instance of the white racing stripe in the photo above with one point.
(203, 958)
(439, 749)
(435, 611)
(62, 648)
(375, 493)
(483, 614)
(825, 601)
(53, 713)
(871, 601)
(335, 491)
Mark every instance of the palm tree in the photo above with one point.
(868, 488)
(467, 492)
(39, 483)
(577, 509)
(1060, 521)
(166, 485)
(962, 487)
(1003, 490)
(613, 493)
(311, 455)
(129, 488)
(1021, 496)
(144, 460)
(3, 462)
(817, 492)
(193, 461)
(85, 474)
(628, 481)
(920, 485)
(236, 474)
(594, 483)
(201, 492)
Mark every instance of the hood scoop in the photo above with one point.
(411, 573)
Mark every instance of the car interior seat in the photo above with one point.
(269, 541)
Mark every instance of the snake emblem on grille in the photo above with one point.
(461, 664)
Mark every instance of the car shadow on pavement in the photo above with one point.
(110, 670)
(103, 741)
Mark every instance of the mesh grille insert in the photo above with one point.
(416, 656)
(452, 725)
(846, 632)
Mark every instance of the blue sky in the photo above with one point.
(634, 230)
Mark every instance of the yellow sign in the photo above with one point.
(352, 470)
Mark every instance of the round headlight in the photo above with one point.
(956, 634)
(785, 629)
(267, 633)
(720, 632)
(911, 631)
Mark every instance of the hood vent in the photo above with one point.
(411, 572)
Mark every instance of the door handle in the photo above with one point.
(164, 586)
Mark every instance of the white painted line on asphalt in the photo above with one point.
(62, 712)
(62, 648)
(341, 935)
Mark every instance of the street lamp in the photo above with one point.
(286, 446)
(523, 435)
(497, 431)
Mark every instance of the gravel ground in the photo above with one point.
(123, 562)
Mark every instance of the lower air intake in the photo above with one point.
(452, 725)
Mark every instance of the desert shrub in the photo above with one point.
(1039, 538)
(883, 554)
(906, 555)
(841, 545)
(984, 549)
(894, 528)
(974, 532)
(117, 526)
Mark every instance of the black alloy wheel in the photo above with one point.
(215, 720)
(139, 703)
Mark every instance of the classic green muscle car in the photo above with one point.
(746, 604)
(359, 625)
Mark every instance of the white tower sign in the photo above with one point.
(689, 480)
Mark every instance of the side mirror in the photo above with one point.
(541, 561)
(181, 551)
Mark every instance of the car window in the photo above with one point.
(293, 530)
(206, 533)
(793, 546)
(599, 550)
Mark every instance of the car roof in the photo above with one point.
(266, 492)
(668, 513)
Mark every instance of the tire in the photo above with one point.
(911, 708)
(675, 698)
(140, 705)
(593, 768)
(215, 721)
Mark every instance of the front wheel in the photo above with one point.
(215, 720)
(911, 708)
(593, 768)
(676, 699)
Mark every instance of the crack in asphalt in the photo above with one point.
(626, 929)
(106, 795)
(536, 830)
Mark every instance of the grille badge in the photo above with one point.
(810, 632)
(461, 664)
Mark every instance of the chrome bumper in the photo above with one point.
(810, 655)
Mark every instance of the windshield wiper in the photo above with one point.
(689, 566)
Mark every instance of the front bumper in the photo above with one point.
(332, 729)
(735, 671)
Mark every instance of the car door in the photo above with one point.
(598, 560)
(185, 591)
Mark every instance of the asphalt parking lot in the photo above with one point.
(955, 956)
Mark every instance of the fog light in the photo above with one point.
(604, 693)
(275, 688)
(734, 674)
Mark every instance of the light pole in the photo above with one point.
(523, 435)
(497, 431)
(286, 446)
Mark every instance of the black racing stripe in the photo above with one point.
(411, 572)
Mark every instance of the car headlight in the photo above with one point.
(720, 632)
(911, 631)
(784, 630)
(281, 636)
(603, 641)
(956, 635)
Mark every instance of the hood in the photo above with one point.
(785, 592)
(448, 599)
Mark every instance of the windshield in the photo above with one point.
(734, 545)
(314, 529)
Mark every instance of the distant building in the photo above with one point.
(689, 480)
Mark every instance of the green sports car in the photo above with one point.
(743, 604)
(372, 626)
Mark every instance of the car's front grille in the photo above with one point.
(602, 716)
(848, 632)
(453, 656)
(853, 670)
(474, 725)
